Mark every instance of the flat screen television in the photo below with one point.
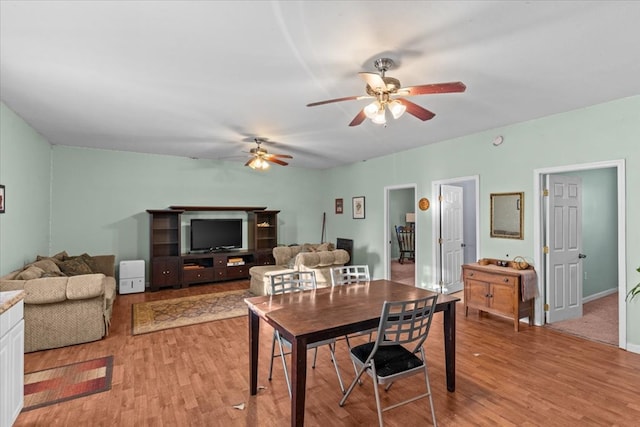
(216, 234)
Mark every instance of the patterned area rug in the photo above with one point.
(155, 316)
(55, 385)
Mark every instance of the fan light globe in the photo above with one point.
(371, 110)
(379, 118)
(397, 108)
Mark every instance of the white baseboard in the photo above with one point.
(599, 295)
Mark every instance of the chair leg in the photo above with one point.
(284, 364)
(335, 365)
(352, 385)
(315, 355)
(273, 350)
(377, 394)
(426, 378)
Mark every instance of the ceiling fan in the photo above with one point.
(260, 158)
(388, 94)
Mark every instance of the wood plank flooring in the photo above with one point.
(193, 376)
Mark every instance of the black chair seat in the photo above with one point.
(388, 360)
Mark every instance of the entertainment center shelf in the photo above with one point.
(216, 266)
(171, 267)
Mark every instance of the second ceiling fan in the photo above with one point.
(260, 158)
(388, 94)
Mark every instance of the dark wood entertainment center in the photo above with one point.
(170, 267)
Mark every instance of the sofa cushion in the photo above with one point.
(45, 290)
(74, 266)
(85, 286)
(31, 272)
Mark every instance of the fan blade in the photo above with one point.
(346, 98)
(284, 156)
(432, 88)
(374, 81)
(250, 161)
(277, 161)
(416, 110)
(359, 118)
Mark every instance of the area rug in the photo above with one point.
(155, 316)
(55, 385)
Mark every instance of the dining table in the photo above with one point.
(324, 313)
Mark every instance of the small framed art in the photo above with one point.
(358, 207)
(2, 199)
(339, 206)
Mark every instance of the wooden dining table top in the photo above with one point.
(334, 308)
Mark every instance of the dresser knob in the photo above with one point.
(506, 280)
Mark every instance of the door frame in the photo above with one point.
(538, 237)
(387, 234)
(435, 223)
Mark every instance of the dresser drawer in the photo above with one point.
(490, 277)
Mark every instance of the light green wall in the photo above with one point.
(100, 197)
(25, 164)
(599, 230)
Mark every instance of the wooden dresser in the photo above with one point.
(497, 290)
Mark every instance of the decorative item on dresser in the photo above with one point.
(495, 287)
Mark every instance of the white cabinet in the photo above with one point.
(11, 362)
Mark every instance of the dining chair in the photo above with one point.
(386, 360)
(288, 282)
(348, 274)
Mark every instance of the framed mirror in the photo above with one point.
(507, 215)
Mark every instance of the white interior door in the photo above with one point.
(451, 237)
(564, 242)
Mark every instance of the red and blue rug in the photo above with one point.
(55, 385)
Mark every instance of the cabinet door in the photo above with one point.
(165, 272)
(477, 293)
(502, 298)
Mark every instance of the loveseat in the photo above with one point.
(308, 257)
(68, 300)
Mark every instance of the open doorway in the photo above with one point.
(400, 205)
(603, 271)
(455, 230)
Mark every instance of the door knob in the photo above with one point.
(582, 256)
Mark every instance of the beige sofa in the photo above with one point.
(61, 310)
(308, 257)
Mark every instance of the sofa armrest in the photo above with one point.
(85, 286)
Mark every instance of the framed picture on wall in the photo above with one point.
(358, 207)
(2, 199)
(339, 206)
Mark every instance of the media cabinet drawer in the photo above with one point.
(238, 271)
(198, 275)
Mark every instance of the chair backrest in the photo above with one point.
(406, 237)
(296, 281)
(348, 274)
(404, 322)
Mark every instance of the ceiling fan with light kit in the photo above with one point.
(388, 94)
(261, 158)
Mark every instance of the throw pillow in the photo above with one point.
(88, 259)
(74, 266)
(30, 273)
(323, 247)
(60, 256)
(291, 263)
(47, 264)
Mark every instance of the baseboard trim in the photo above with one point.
(599, 295)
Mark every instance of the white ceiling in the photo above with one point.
(202, 78)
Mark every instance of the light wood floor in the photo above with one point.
(192, 376)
